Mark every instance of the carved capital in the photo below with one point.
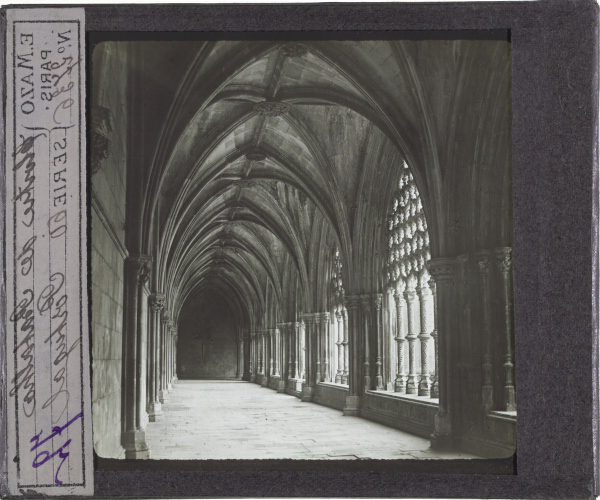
(398, 299)
(102, 125)
(483, 261)
(377, 301)
(503, 259)
(365, 303)
(157, 301)
(308, 319)
(410, 295)
(166, 317)
(141, 267)
(271, 108)
(352, 302)
(441, 270)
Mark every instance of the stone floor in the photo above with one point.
(208, 419)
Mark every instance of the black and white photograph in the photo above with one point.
(302, 248)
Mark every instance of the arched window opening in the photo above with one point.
(339, 322)
(414, 362)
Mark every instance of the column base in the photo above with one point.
(253, 377)
(352, 406)
(154, 412)
(281, 386)
(265, 381)
(135, 445)
(175, 379)
(295, 385)
(424, 388)
(380, 383)
(307, 394)
(169, 387)
(441, 439)
(509, 398)
(163, 396)
(412, 385)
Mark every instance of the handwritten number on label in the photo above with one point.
(43, 456)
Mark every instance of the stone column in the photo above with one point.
(163, 393)
(351, 338)
(259, 354)
(442, 272)
(276, 354)
(325, 317)
(309, 375)
(272, 352)
(377, 300)
(296, 349)
(291, 342)
(504, 263)
(487, 392)
(170, 358)
(340, 346)
(435, 389)
(252, 357)
(400, 382)
(133, 437)
(240, 357)
(318, 346)
(424, 300)
(412, 310)
(366, 310)
(175, 337)
(157, 302)
(246, 343)
(280, 366)
(346, 354)
(265, 357)
(302, 350)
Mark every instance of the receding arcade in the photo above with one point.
(327, 219)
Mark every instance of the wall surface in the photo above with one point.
(207, 347)
(107, 259)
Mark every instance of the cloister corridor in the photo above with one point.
(231, 419)
(325, 226)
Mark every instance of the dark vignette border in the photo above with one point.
(554, 71)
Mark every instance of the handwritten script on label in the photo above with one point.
(49, 417)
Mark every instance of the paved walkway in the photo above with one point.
(207, 419)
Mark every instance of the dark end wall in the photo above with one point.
(207, 343)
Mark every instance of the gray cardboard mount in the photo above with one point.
(555, 187)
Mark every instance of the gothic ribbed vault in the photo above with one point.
(238, 170)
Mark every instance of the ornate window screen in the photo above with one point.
(339, 322)
(407, 277)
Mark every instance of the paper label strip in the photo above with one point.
(48, 386)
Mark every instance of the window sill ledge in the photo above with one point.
(411, 398)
